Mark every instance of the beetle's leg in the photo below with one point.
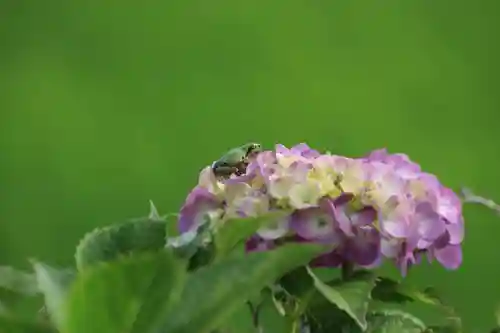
(241, 168)
(224, 171)
(253, 153)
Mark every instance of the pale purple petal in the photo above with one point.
(395, 225)
(406, 260)
(364, 217)
(364, 248)
(340, 163)
(425, 186)
(430, 224)
(265, 163)
(390, 247)
(449, 256)
(300, 149)
(424, 244)
(398, 160)
(404, 167)
(314, 224)
(277, 229)
(299, 170)
(348, 219)
(378, 155)
(449, 205)
(402, 164)
(199, 203)
(339, 211)
(281, 149)
(254, 204)
(304, 150)
(343, 199)
(387, 186)
(456, 233)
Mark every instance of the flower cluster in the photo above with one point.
(380, 205)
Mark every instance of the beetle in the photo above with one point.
(236, 160)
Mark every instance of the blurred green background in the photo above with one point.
(106, 104)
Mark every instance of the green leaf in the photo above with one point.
(297, 282)
(394, 321)
(241, 321)
(12, 325)
(271, 320)
(215, 292)
(285, 303)
(428, 296)
(443, 329)
(351, 296)
(300, 287)
(18, 281)
(132, 294)
(3, 309)
(203, 256)
(110, 243)
(234, 231)
(392, 291)
(453, 324)
(54, 284)
(389, 290)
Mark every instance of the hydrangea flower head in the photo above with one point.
(378, 206)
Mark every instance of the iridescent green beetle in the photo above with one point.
(235, 161)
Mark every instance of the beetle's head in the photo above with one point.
(252, 148)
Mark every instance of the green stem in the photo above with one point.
(254, 310)
(347, 270)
